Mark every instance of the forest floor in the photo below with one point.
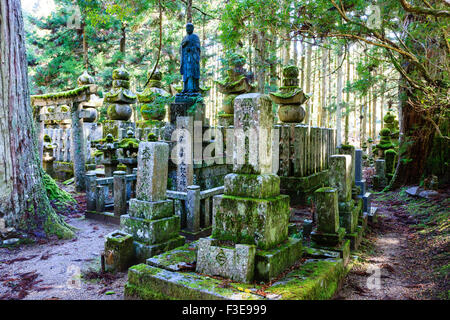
(405, 256)
(52, 269)
(407, 252)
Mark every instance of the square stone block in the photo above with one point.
(367, 198)
(328, 239)
(144, 251)
(152, 171)
(151, 231)
(270, 263)
(119, 252)
(236, 263)
(263, 222)
(341, 176)
(252, 186)
(253, 122)
(362, 185)
(150, 210)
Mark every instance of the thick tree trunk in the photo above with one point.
(23, 200)
(416, 140)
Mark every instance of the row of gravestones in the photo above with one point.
(251, 214)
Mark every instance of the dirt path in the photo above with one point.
(398, 260)
(51, 269)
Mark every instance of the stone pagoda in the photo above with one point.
(91, 129)
(129, 147)
(154, 100)
(108, 148)
(118, 102)
(235, 83)
(290, 97)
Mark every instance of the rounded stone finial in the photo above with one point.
(85, 79)
(121, 74)
(109, 138)
(156, 75)
(290, 72)
(130, 133)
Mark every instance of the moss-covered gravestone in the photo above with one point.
(328, 231)
(150, 219)
(119, 251)
(251, 211)
(341, 180)
(290, 97)
(379, 179)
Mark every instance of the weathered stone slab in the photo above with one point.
(176, 259)
(252, 186)
(349, 150)
(253, 121)
(119, 252)
(236, 263)
(328, 239)
(144, 251)
(340, 176)
(270, 263)
(151, 231)
(151, 283)
(150, 210)
(263, 222)
(153, 160)
(326, 201)
(314, 280)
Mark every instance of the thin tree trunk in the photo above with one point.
(324, 86)
(340, 76)
(308, 81)
(23, 199)
(189, 11)
(347, 100)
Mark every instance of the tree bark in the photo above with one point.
(340, 76)
(23, 199)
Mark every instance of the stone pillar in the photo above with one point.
(327, 232)
(78, 157)
(379, 179)
(359, 180)
(150, 219)
(120, 193)
(101, 198)
(184, 152)
(350, 150)
(193, 209)
(91, 187)
(341, 180)
(251, 212)
(340, 176)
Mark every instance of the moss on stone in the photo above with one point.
(63, 94)
(315, 280)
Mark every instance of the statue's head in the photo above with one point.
(189, 28)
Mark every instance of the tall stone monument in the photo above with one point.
(251, 215)
(150, 219)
